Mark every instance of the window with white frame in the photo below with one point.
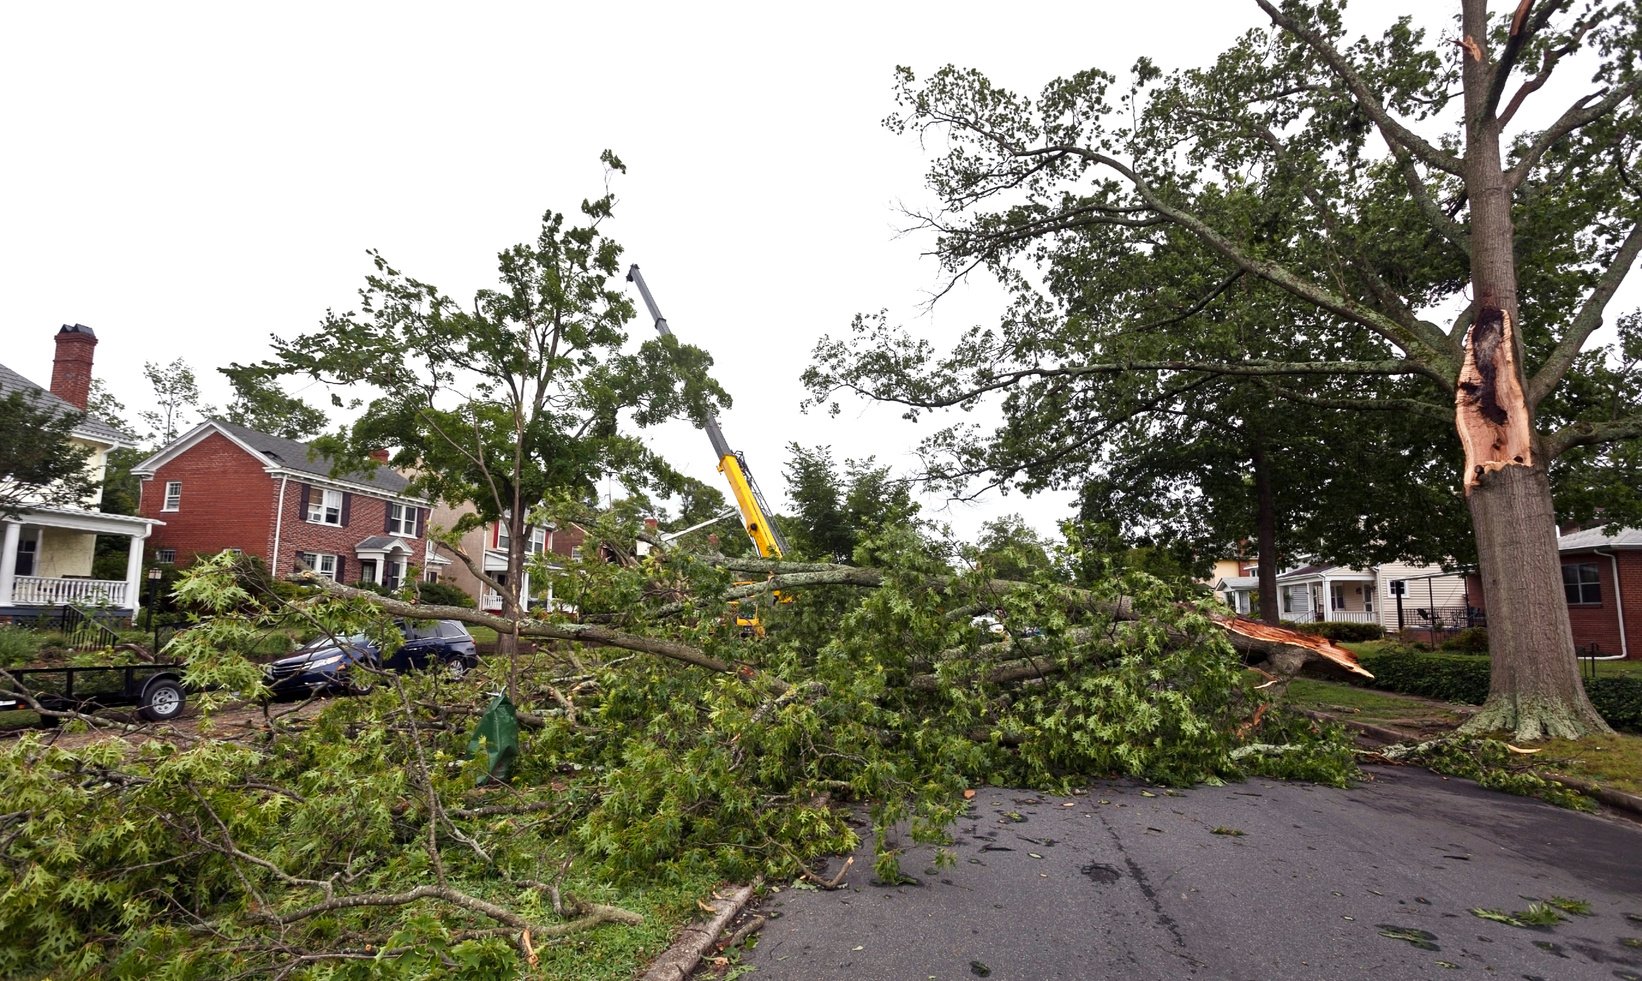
(393, 572)
(576, 552)
(324, 506)
(401, 520)
(173, 496)
(320, 562)
(1581, 583)
(538, 542)
(502, 537)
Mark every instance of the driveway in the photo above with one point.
(1300, 882)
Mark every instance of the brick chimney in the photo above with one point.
(71, 371)
(380, 455)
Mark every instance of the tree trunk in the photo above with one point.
(1265, 536)
(1534, 688)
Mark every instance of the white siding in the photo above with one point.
(1445, 591)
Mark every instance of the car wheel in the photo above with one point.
(162, 700)
(456, 669)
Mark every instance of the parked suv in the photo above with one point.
(343, 663)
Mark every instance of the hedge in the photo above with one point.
(1463, 678)
(1341, 630)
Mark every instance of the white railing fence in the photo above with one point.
(40, 591)
(1337, 616)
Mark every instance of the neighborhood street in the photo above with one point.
(1261, 880)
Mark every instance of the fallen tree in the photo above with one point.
(662, 750)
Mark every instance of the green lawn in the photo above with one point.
(1368, 705)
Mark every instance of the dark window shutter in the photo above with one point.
(341, 563)
(347, 500)
(303, 490)
(421, 529)
(387, 517)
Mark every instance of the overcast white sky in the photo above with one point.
(188, 179)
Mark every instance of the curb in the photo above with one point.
(678, 961)
(1630, 804)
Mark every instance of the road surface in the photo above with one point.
(1299, 882)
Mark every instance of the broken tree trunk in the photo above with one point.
(1534, 687)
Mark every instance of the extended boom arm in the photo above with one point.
(755, 513)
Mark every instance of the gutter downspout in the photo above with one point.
(279, 526)
(1619, 603)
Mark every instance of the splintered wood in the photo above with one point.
(1491, 411)
(1321, 646)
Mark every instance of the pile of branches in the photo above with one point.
(661, 746)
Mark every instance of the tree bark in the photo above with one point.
(1534, 688)
(1265, 503)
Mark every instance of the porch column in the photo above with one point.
(134, 574)
(8, 560)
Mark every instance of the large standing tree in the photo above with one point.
(1386, 183)
(524, 394)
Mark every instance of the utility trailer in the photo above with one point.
(155, 689)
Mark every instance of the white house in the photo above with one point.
(46, 553)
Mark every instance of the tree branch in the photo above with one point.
(1591, 434)
(1393, 131)
(1581, 113)
(1587, 320)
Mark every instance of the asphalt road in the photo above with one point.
(1117, 884)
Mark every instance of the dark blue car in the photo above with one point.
(346, 664)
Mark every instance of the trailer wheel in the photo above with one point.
(162, 700)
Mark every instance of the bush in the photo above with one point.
(1471, 640)
(1445, 677)
(443, 594)
(18, 646)
(1464, 678)
(1343, 630)
(1619, 700)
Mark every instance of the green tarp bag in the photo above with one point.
(498, 734)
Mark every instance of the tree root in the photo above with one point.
(1531, 720)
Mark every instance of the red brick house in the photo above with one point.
(1602, 580)
(222, 486)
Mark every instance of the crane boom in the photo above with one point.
(755, 513)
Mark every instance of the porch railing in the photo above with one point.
(1337, 616)
(40, 591)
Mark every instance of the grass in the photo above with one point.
(1368, 705)
(1614, 761)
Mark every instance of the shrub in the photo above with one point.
(17, 646)
(1446, 677)
(443, 594)
(1343, 630)
(1464, 678)
(1471, 640)
(1619, 700)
